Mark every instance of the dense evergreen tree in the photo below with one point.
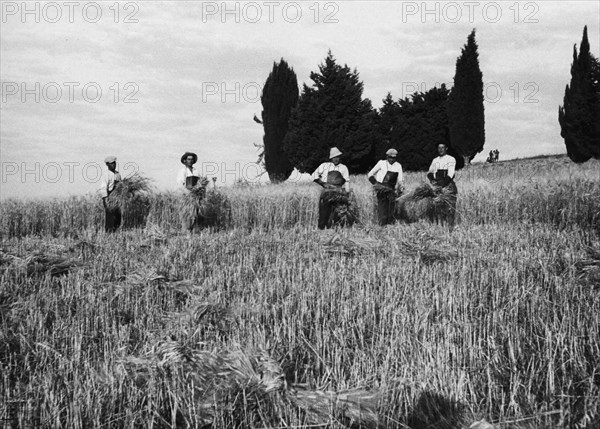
(387, 119)
(331, 113)
(279, 96)
(415, 126)
(579, 118)
(465, 105)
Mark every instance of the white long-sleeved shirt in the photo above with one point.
(107, 184)
(445, 162)
(323, 170)
(381, 169)
(184, 173)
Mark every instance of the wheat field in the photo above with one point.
(268, 322)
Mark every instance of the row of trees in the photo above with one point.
(300, 129)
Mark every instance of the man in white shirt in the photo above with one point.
(110, 179)
(441, 175)
(331, 175)
(442, 169)
(193, 187)
(387, 177)
(189, 175)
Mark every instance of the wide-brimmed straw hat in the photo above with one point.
(333, 152)
(109, 159)
(185, 155)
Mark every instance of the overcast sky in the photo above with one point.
(146, 81)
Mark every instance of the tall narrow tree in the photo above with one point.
(279, 96)
(331, 113)
(579, 118)
(465, 105)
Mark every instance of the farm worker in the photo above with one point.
(387, 178)
(193, 187)
(441, 171)
(189, 175)
(330, 175)
(107, 186)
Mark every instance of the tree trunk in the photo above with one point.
(277, 177)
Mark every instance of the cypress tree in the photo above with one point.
(330, 113)
(465, 105)
(279, 97)
(579, 118)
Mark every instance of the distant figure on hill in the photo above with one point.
(387, 180)
(334, 177)
(493, 156)
(112, 213)
(193, 187)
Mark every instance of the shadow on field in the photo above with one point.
(434, 411)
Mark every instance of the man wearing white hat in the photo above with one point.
(331, 175)
(110, 179)
(387, 178)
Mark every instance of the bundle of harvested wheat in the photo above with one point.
(38, 263)
(250, 386)
(345, 208)
(349, 247)
(215, 210)
(353, 408)
(432, 203)
(588, 269)
(382, 191)
(193, 197)
(206, 319)
(335, 196)
(191, 203)
(132, 196)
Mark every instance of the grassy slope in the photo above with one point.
(496, 319)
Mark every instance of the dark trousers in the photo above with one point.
(112, 219)
(325, 209)
(385, 209)
(190, 221)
